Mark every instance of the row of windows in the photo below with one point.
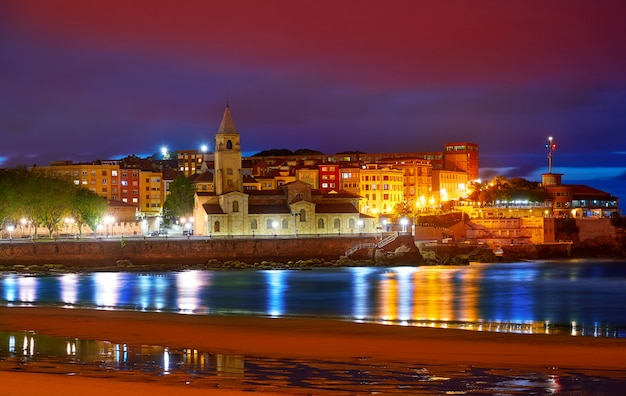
(384, 177)
(284, 224)
(386, 197)
(385, 187)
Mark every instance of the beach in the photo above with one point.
(293, 338)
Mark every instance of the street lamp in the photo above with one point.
(108, 220)
(275, 227)
(404, 223)
(360, 223)
(10, 229)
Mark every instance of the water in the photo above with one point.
(579, 297)
(33, 353)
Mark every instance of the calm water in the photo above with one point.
(572, 297)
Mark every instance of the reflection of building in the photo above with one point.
(288, 209)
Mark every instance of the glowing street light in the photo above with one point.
(404, 223)
(275, 227)
(165, 153)
(11, 228)
(204, 148)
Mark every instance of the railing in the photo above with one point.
(387, 240)
(359, 247)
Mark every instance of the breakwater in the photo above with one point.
(194, 251)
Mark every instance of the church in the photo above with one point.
(293, 209)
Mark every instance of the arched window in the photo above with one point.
(235, 206)
(336, 224)
(216, 226)
(302, 215)
(320, 223)
(285, 224)
(253, 224)
(268, 224)
(351, 223)
(229, 144)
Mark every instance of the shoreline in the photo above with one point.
(295, 338)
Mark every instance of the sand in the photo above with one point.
(290, 338)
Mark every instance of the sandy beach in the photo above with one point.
(290, 338)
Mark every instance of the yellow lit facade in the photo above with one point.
(103, 179)
(381, 188)
(152, 193)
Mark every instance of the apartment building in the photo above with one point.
(418, 181)
(329, 177)
(381, 188)
(102, 179)
(152, 193)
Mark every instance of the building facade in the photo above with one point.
(293, 208)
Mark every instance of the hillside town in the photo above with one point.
(435, 196)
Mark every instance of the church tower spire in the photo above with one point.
(227, 176)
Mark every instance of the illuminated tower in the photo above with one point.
(551, 179)
(227, 176)
(551, 146)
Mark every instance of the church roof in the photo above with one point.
(227, 126)
(268, 209)
(212, 208)
(336, 208)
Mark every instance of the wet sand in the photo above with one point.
(290, 338)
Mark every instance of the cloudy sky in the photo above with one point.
(86, 80)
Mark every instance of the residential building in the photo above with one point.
(381, 187)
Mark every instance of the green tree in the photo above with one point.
(88, 208)
(404, 209)
(179, 201)
(47, 199)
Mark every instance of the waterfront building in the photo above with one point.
(462, 157)
(448, 185)
(381, 187)
(290, 208)
(102, 179)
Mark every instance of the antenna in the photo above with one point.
(551, 146)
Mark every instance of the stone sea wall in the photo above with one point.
(108, 252)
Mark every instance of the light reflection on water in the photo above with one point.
(578, 297)
(34, 353)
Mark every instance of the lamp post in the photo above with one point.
(295, 222)
(404, 223)
(275, 227)
(360, 223)
(11, 228)
(22, 225)
(551, 146)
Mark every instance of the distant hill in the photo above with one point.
(286, 153)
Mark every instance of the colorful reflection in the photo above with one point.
(517, 297)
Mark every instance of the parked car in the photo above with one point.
(158, 233)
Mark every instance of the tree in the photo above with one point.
(179, 201)
(48, 199)
(404, 209)
(88, 208)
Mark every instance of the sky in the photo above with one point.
(87, 80)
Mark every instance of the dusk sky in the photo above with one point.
(87, 80)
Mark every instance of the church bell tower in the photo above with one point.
(227, 176)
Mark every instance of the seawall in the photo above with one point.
(158, 251)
